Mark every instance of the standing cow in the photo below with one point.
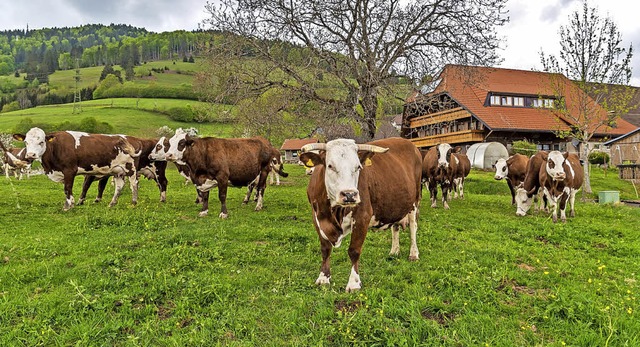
(222, 162)
(276, 169)
(513, 170)
(150, 169)
(463, 168)
(561, 179)
(65, 154)
(14, 159)
(438, 168)
(529, 188)
(354, 187)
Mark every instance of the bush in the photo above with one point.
(12, 106)
(524, 147)
(599, 158)
(181, 114)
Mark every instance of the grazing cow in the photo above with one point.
(152, 170)
(529, 188)
(438, 168)
(219, 162)
(14, 159)
(513, 170)
(561, 178)
(462, 171)
(357, 186)
(65, 154)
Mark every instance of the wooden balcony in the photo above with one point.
(444, 116)
(450, 138)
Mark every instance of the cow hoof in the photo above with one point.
(97, 200)
(434, 205)
(322, 279)
(414, 258)
(203, 213)
(222, 215)
(352, 287)
(446, 206)
(244, 202)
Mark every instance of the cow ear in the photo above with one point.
(188, 141)
(457, 149)
(566, 155)
(365, 157)
(310, 159)
(18, 137)
(49, 138)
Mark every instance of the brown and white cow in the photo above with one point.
(463, 168)
(358, 186)
(150, 169)
(438, 168)
(561, 179)
(276, 169)
(14, 159)
(513, 170)
(527, 190)
(222, 162)
(65, 154)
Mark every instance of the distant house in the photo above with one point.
(472, 104)
(291, 148)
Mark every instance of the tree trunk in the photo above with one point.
(369, 103)
(586, 186)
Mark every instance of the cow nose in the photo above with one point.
(520, 213)
(560, 176)
(169, 156)
(31, 155)
(349, 196)
(497, 177)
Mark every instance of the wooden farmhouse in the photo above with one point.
(483, 104)
(290, 147)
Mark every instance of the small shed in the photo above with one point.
(625, 149)
(291, 148)
(484, 154)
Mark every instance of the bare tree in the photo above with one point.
(342, 55)
(593, 57)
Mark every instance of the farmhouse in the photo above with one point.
(291, 147)
(469, 104)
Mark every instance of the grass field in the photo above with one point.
(157, 275)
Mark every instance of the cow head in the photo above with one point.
(177, 144)
(444, 151)
(554, 167)
(35, 143)
(343, 159)
(159, 152)
(524, 199)
(501, 169)
(277, 165)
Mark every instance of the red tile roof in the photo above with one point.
(470, 87)
(295, 144)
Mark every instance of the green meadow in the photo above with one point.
(155, 274)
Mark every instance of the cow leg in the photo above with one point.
(433, 192)
(414, 254)
(204, 196)
(133, 184)
(445, 195)
(355, 249)
(395, 240)
(513, 192)
(203, 186)
(262, 184)
(118, 182)
(461, 187)
(86, 184)
(6, 169)
(162, 187)
(573, 202)
(222, 196)
(102, 184)
(250, 188)
(325, 268)
(563, 205)
(68, 191)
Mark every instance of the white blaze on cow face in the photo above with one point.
(444, 153)
(523, 202)
(159, 151)
(501, 169)
(554, 166)
(342, 172)
(36, 143)
(177, 144)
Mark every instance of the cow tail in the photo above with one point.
(128, 148)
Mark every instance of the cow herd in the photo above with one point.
(352, 187)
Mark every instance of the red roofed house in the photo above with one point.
(291, 148)
(483, 104)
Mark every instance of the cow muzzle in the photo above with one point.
(497, 177)
(349, 198)
(559, 176)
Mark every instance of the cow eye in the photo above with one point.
(41, 143)
(332, 168)
(504, 168)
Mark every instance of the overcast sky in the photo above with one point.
(533, 27)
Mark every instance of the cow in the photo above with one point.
(152, 170)
(529, 188)
(65, 154)
(512, 170)
(14, 159)
(159, 153)
(462, 171)
(276, 169)
(355, 187)
(222, 162)
(438, 168)
(561, 179)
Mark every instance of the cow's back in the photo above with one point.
(535, 168)
(517, 165)
(393, 180)
(85, 151)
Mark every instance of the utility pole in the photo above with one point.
(77, 108)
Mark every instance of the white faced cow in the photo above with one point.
(222, 162)
(65, 154)
(276, 169)
(528, 190)
(561, 179)
(438, 167)
(513, 170)
(354, 187)
(14, 159)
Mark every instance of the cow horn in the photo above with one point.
(313, 147)
(372, 148)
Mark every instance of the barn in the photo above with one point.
(625, 153)
(291, 147)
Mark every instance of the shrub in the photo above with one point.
(598, 157)
(181, 114)
(12, 106)
(524, 147)
(110, 82)
(164, 131)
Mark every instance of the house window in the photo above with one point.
(506, 101)
(548, 103)
(537, 103)
(495, 100)
(518, 101)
